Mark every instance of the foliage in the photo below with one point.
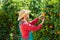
(9, 29)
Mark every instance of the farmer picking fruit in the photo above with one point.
(25, 26)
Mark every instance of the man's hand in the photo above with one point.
(43, 20)
(39, 16)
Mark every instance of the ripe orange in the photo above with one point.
(58, 32)
(51, 26)
(59, 14)
(43, 13)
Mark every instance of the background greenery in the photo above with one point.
(9, 29)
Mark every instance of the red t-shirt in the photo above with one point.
(26, 27)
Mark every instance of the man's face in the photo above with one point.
(26, 16)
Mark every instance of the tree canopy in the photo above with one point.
(9, 29)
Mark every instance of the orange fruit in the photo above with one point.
(58, 32)
(59, 14)
(51, 26)
(43, 13)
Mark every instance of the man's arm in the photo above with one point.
(34, 21)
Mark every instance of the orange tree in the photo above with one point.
(51, 27)
(8, 18)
